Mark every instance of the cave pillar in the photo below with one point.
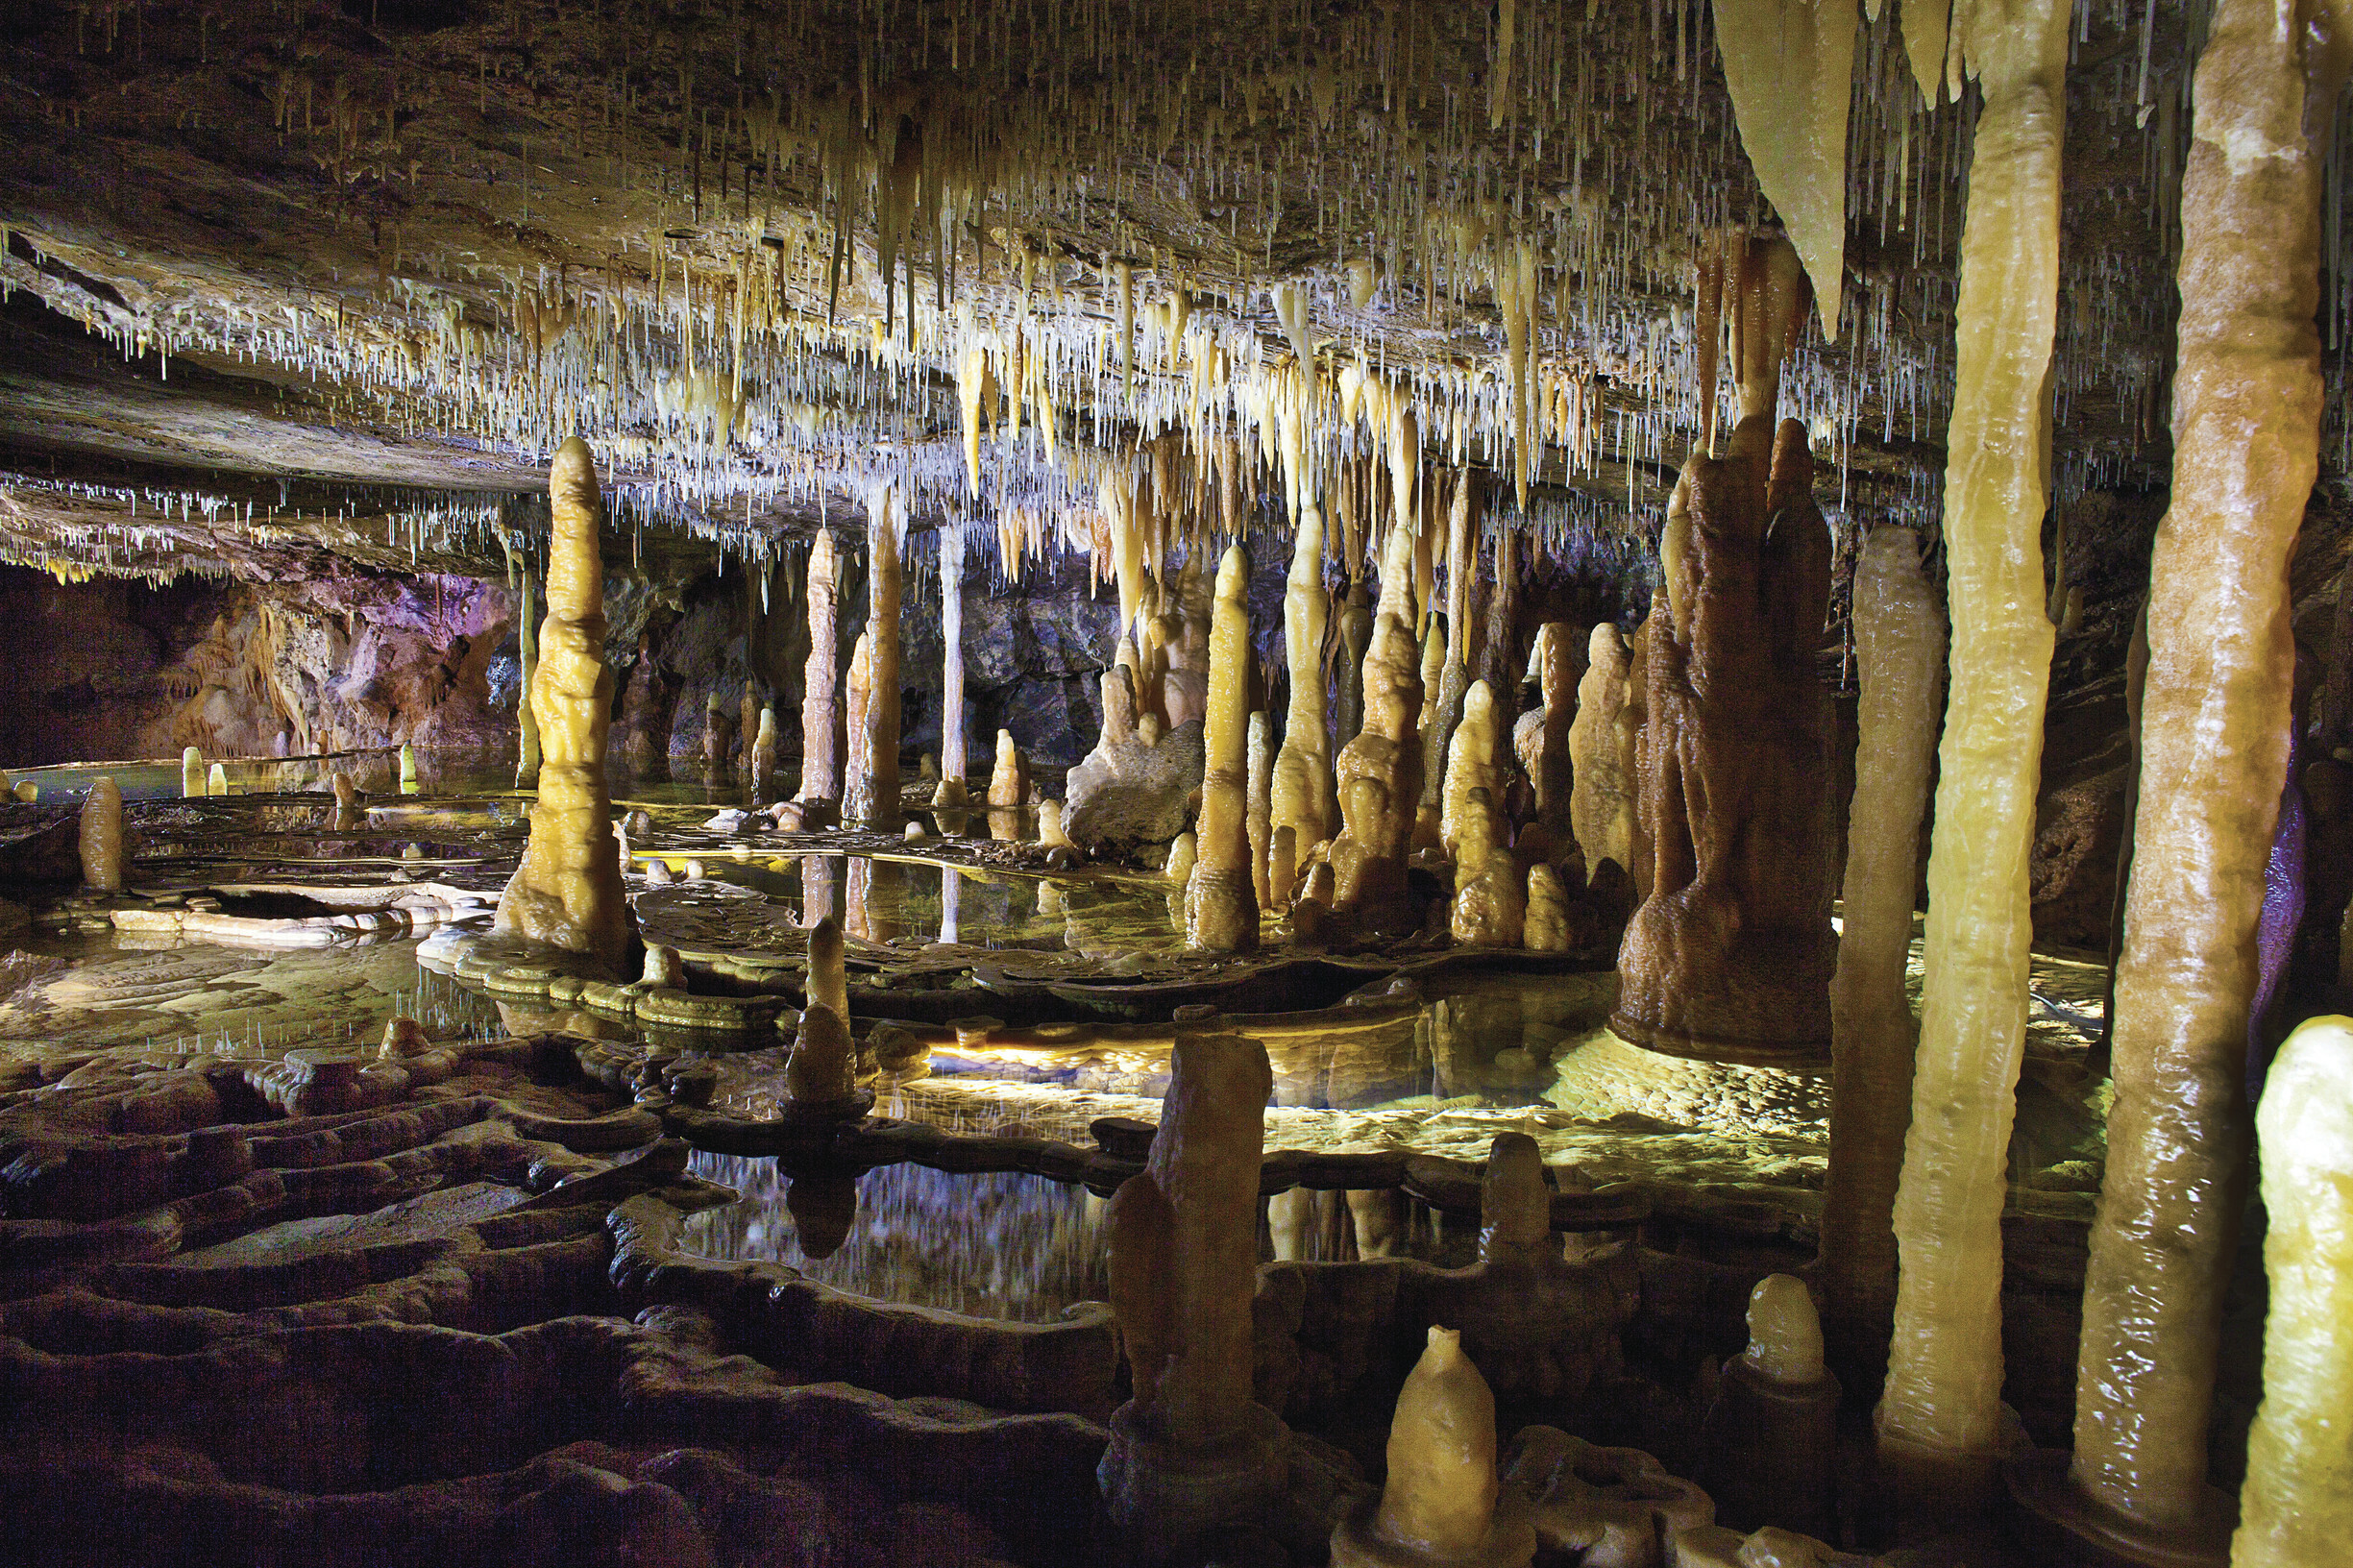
(951, 669)
(820, 712)
(870, 794)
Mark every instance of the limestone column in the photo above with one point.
(1302, 789)
(1600, 744)
(527, 657)
(2214, 722)
(1221, 907)
(1353, 636)
(869, 796)
(1900, 651)
(1940, 1417)
(1554, 776)
(819, 716)
(951, 670)
(1380, 773)
(568, 891)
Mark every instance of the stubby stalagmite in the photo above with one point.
(567, 892)
(1730, 956)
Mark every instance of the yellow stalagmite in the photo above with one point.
(1009, 778)
(527, 655)
(1544, 927)
(1490, 904)
(1790, 67)
(1470, 765)
(2215, 725)
(1900, 651)
(870, 794)
(822, 1072)
(2296, 1508)
(567, 892)
(820, 716)
(1259, 815)
(1440, 1505)
(1302, 787)
(1380, 773)
(1602, 748)
(102, 837)
(1939, 1420)
(192, 775)
(1221, 907)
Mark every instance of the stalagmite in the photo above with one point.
(822, 1073)
(1442, 711)
(870, 794)
(1900, 654)
(1193, 1451)
(1730, 956)
(1259, 805)
(102, 837)
(2296, 1508)
(717, 733)
(1939, 1421)
(1353, 638)
(747, 722)
(763, 752)
(1301, 798)
(1441, 1506)
(408, 768)
(951, 665)
(820, 717)
(1221, 907)
(526, 658)
(2215, 727)
(1541, 738)
(216, 779)
(1768, 1439)
(1470, 765)
(1601, 746)
(857, 692)
(1049, 826)
(1490, 903)
(1380, 771)
(1545, 928)
(567, 891)
(1009, 778)
(192, 774)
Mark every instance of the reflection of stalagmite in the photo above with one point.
(1440, 1506)
(869, 796)
(1602, 786)
(820, 717)
(1900, 651)
(2297, 1509)
(568, 891)
(1380, 773)
(1301, 798)
(1940, 1422)
(1730, 956)
(102, 837)
(1221, 907)
(2217, 717)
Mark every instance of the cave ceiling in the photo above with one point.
(291, 275)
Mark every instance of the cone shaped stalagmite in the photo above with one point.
(102, 837)
(1221, 907)
(567, 891)
(1380, 773)
(1303, 800)
(1441, 1505)
(1602, 752)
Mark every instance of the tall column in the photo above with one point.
(1939, 1419)
(1221, 907)
(1303, 798)
(567, 891)
(870, 794)
(527, 657)
(2214, 722)
(951, 669)
(820, 715)
(1900, 649)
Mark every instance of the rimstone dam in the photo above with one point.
(1138, 784)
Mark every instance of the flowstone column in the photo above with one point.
(567, 892)
(1730, 957)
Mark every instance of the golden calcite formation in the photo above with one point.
(1221, 906)
(1940, 1422)
(1442, 711)
(1545, 926)
(1301, 798)
(192, 774)
(1491, 902)
(1192, 1450)
(870, 794)
(763, 752)
(820, 735)
(1353, 637)
(2296, 1508)
(1602, 753)
(567, 892)
(1900, 657)
(1768, 1439)
(2215, 725)
(102, 837)
(1380, 771)
(1009, 778)
(1471, 765)
(1541, 739)
(1730, 956)
(1441, 1506)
